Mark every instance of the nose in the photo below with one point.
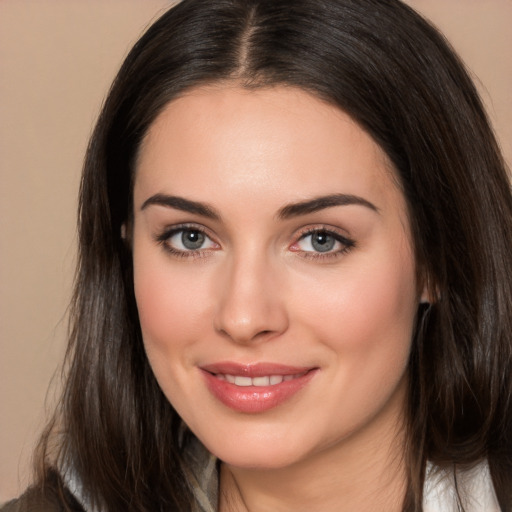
(251, 306)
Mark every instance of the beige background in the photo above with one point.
(57, 58)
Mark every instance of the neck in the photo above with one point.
(364, 472)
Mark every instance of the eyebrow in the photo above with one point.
(180, 203)
(323, 202)
(287, 212)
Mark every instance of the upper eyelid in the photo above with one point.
(176, 228)
(325, 228)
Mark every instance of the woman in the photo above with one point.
(293, 294)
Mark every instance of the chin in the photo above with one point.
(263, 453)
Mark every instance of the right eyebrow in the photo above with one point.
(323, 202)
(180, 203)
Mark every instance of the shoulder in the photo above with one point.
(51, 498)
(34, 501)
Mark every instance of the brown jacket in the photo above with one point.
(49, 499)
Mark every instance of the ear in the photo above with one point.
(425, 296)
(126, 234)
(429, 291)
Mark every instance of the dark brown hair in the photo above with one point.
(398, 78)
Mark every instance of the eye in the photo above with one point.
(186, 240)
(322, 241)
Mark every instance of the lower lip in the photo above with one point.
(255, 399)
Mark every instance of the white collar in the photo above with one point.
(439, 492)
(474, 485)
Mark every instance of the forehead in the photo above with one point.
(227, 140)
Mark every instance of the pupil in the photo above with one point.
(322, 242)
(192, 239)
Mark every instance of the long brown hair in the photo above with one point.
(398, 78)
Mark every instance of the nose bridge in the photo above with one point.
(250, 305)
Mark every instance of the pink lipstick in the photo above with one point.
(257, 387)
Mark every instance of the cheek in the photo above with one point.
(172, 317)
(365, 319)
(366, 312)
(171, 309)
(163, 305)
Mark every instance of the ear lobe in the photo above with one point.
(126, 234)
(425, 296)
(430, 292)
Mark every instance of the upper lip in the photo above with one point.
(255, 369)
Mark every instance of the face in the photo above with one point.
(274, 274)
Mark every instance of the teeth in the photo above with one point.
(261, 381)
(267, 380)
(243, 381)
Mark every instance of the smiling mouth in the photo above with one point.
(255, 388)
(263, 381)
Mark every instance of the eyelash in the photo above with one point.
(347, 243)
(164, 237)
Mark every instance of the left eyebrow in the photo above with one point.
(323, 202)
(180, 203)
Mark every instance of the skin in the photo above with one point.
(257, 290)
